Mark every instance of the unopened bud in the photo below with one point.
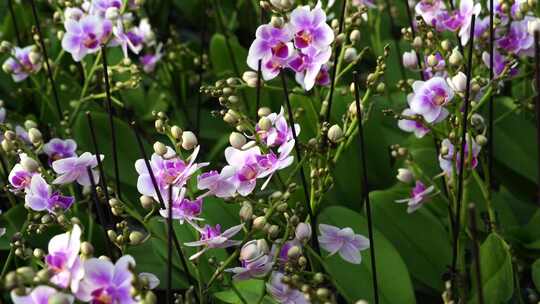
(34, 135)
(146, 201)
(432, 60)
(136, 237)
(410, 60)
(189, 140)
(404, 175)
(265, 123)
(264, 111)
(159, 148)
(335, 133)
(176, 132)
(237, 140)
(350, 54)
(87, 249)
(259, 222)
(246, 212)
(303, 232)
(354, 36)
(29, 164)
(455, 58)
(250, 78)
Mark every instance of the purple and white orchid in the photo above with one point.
(309, 28)
(105, 282)
(430, 97)
(183, 208)
(40, 196)
(411, 125)
(63, 260)
(75, 169)
(212, 237)
(343, 241)
(85, 36)
(308, 63)
(282, 292)
(39, 295)
(419, 196)
(270, 44)
(57, 149)
(21, 63)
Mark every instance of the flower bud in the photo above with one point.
(29, 124)
(7, 145)
(26, 272)
(29, 164)
(481, 139)
(6, 67)
(136, 237)
(410, 60)
(10, 135)
(533, 26)
(294, 252)
(350, 54)
(146, 201)
(111, 13)
(250, 78)
(446, 45)
(417, 42)
(303, 232)
(5, 46)
(432, 60)
(455, 58)
(189, 140)
(237, 140)
(259, 222)
(458, 82)
(335, 133)
(265, 123)
(276, 21)
(34, 57)
(404, 175)
(246, 212)
(159, 148)
(283, 5)
(264, 111)
(87, 249)
(34, 135)
(354, 36)
(253, 249)
(176, 132)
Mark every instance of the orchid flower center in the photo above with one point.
(101, 296)
(90, 41)
(248, 172)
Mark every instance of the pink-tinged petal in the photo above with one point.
(360, 242)
(92, 24)
(66, 178)
(39, 187)
(71, 42)
(140, 166)
(232, 231)
(310, 77)
(432, 114)
(257, 51)
(330, 244)
(245, 188)
(40, 295)
(73, 27)
(122, 275)
(64, 165)
(84, 180)
(98, 272)
(323, 36)
(301, 17)
(328, 229)
(145, 185)
(350, 254)
(35, 202)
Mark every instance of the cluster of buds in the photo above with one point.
(125, 235)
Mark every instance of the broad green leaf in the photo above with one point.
(12, 220)
(251, 291)
(535, 270)
(355, 281)
(419, 237)
(496, 271)
(127, 149)
(221, 58)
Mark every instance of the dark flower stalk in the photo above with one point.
(192, 281)
(201, 71)
(337, 49)
(99, 211)
(476, 253)
(259, 75)
(14, 20)
(365, 186)
(102, 177)
(169, 249)
(491, 105)
(537, 82)
(396, 40)
(457, 222)
(313, 219)
(111, 120)
(46, 59)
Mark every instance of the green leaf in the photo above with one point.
(12, 220)
(127, 149)
(309, 119)
(496, 271)
(355, 281)
(251, 291)
(426, 251)
(535, 269)
(221, 58)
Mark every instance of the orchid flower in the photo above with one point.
(212, 237)
(105, 282)
(282, 292)
(343, 241)
(21, 64)
(75, 169)
(419, 196)
(430, 97)
(63, 259)
(183, 209)
(57, 149)
(40, 196)
(39, 295)
(85, 36)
